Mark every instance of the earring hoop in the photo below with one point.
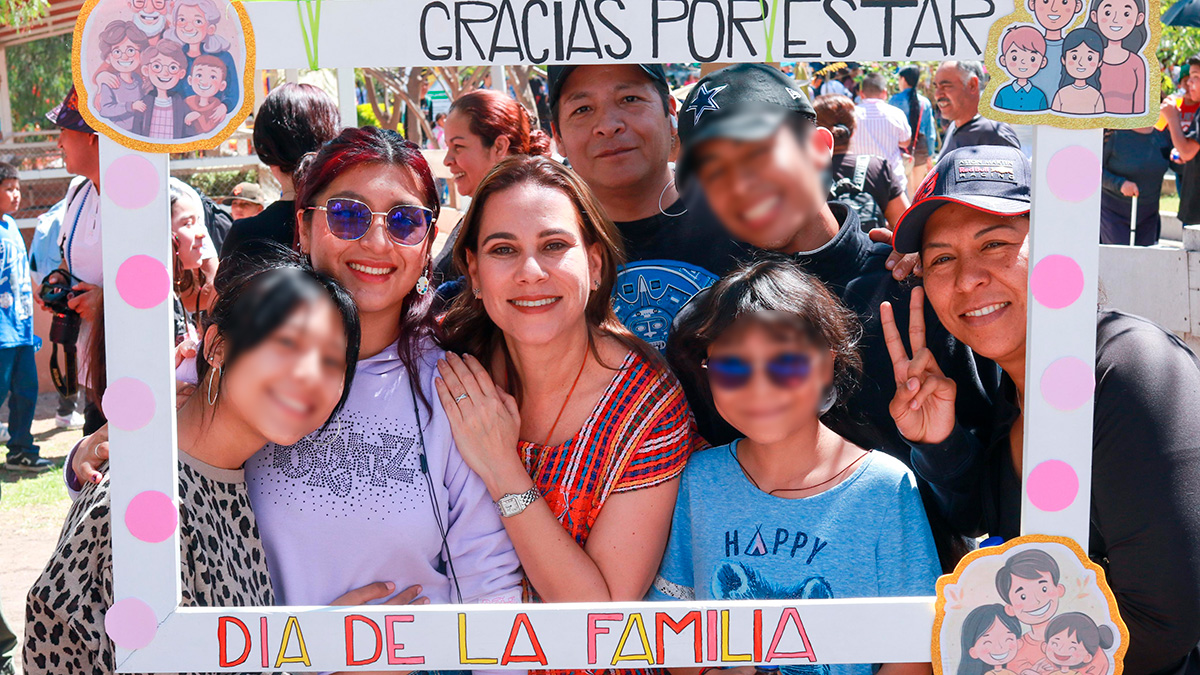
(660, 198)
(209, 396)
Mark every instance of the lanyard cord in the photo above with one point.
(75, 226)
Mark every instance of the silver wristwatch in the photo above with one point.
(511, 505)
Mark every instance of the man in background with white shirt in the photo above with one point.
(882, 128)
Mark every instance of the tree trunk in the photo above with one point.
(520, 78)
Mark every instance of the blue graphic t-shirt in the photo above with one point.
(863, 538)
(16, 288)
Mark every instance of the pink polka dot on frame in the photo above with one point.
(1056, 281)
(129, 404)
(143, 282)
(1073, 173)
(1052, 485)
(151, 516)
(1067, 383)
(130, 623)
(131, 182)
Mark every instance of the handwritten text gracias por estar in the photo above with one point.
(644, 639)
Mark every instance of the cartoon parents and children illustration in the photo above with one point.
(1094, 69)
(1030, 591)
(165, 73)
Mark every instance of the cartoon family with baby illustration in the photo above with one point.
(165, 72)
(1030, 591)
(1094, 69)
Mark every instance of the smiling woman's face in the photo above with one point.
(976, 276)
(1117, 18)
(532, 267)
(378, 272)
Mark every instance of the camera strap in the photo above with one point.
(66, 386)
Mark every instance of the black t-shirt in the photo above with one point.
(277, 223)
(1189, 177)
(882, 183)
(1145, 499)
(981, 131)
(670, 259)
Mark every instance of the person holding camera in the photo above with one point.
(74, 293)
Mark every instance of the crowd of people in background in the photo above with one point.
(658, 328)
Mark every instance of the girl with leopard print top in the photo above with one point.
(275, 316)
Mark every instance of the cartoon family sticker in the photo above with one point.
(164, 75)
(1034, 606)
(1063, 61)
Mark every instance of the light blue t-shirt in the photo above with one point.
(1047, 79)
(16, 288)
(863, 538)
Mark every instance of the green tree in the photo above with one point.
(19, 13)
(1178, 43)
(39, 76)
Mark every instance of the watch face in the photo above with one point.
(509, 506)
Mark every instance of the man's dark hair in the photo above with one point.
(661, 88)
(8, 171)
(1192, 61)
(1025, 565)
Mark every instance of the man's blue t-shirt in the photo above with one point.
(863, 538)
(16, 288)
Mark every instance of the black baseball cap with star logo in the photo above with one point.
(990, 178)
(744, 102)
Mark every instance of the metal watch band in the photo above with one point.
(513, 504)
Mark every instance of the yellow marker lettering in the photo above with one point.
(726, 657)
(462, 646)
(287, 634)
(646, 655)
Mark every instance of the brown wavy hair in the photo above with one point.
(836, 113)
(492, 114)
(467, 328)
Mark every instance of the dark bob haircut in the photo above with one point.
(293, 121)
(257, 293)
(776, 292)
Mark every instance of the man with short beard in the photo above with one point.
(150, 17)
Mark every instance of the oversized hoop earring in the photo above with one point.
(660, 206)
(209, 396)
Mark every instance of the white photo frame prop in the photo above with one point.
(154, 634)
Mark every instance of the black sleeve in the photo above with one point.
(954, 471)
(1146, 487)
(889, 185)
(1008, 135)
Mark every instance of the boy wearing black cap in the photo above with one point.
(615, 125)
(970, 223)
(749, 140)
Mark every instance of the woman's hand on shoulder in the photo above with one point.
(89, 456)
(484, 418)
(923, 406)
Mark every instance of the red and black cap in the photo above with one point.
(990, 178)
(66, 114)
(744, 102)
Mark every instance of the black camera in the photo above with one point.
(55, 291)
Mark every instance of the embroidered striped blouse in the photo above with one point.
(639, 435)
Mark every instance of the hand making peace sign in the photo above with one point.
(923, 406)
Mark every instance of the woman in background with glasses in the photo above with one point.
(792, 510)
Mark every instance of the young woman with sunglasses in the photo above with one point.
(792, 510)
(578, 429)
(382, 486)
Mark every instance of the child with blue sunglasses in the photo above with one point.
(792, 510)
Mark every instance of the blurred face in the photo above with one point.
(163, 72)
(468, 159)
(287, 386)
(1081, 62)
(244, 209)
(976, 278)
(10, 196)
(765, 191)
(1117, 18)
(1065, 649)
(207, 81)
(533, 269)
(1192, 83)
(955, 99)
(378, 272)
(612, 127)
(1021, 63)
(1055, 14)
(125, 57)
(80, 151)
(997, 646)
(764, 410)
(191, 25)
(188, 231)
